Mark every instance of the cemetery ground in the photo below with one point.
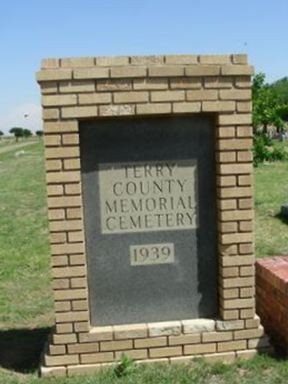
(26, 307)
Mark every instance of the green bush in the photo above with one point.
(265, 149)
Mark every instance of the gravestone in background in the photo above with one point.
(149, 186)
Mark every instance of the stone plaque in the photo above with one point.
(150, 218)
(147, 196)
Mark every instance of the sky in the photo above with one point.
(31, 30)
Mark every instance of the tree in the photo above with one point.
(267, 106)
(1, 134)
(26, 133)
(17, 132)
(39, 133)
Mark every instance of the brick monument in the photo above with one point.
(150, 203)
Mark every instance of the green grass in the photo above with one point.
(26, 308)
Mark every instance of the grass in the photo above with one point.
(26, 308)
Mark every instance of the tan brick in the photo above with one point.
(128, 71)
(226, 132)
(202, 70)
(218, 82)
(57, 349)
(70, 294)
(68, 272)
(249, 333)
(91, 73)
(76, 237)
(236, 238)
(78, 112)
(73, 189)
(186, 107)
(199, 349)
(57, 238)
(247, 313)
(62, 306)
(56, 153)
(226, 181)
(237, 70)
(49, 63)
(185, 83)
(198, 325)
(131, 97)
(67, 317)
(244, 156)
(232, 144)
(238, 282)
(229, 314)
(72, 164)
(62, 177)
(227, 250)
(84, 369)
(227, 227)
(237, 215)
(166, 70)
(247, 354)
(77, 259)
(64, 201)
(167, 96)
(58, 100)
(246, 248)
(150, 84)
(53, 371)
(229, 271)
(150, 342)
(244, 106)
(98, 98)
(164, 328)
(218, 106)
(59, 261)
(235, 94)
(237, 260)
(53, 165)
(136, 354)
(262, 342)
(117, 110)
(235, 119)
(64, 338)
(61, 127)
(77, 86)
(97, 334)
(52, 140)
(64, 328)
(61, 360)
(63, 249)
(226, 204)
(70, 139)
(201, 95)
(211, 337)
(50, 114)
(82, 326)
(229, 293)
(181, 59)
(55, 190)
(60, 284)
(146, 109)
(235, 192)
(116, 345)
(77, 62)
(54, 75)
(79, 305)
(97, 357)
(252, 323)
(247, 292)
(107, 61)
(215, 59)
(237, 303)
(232, 345)
(239, 59)
(74, 213)
(165, 352)
(66, 225)
(245, 180)
(49, 88)
(245, 226)
(132, 331)
(144, 60)
(184, 339)
(83, 348)
(56, 214)
(226, 169)
(226, 157)
(114, 85)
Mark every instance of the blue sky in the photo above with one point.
(33, 29)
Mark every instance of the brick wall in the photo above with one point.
(93, 88)
(272, 298)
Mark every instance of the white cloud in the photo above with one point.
(26, 116)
